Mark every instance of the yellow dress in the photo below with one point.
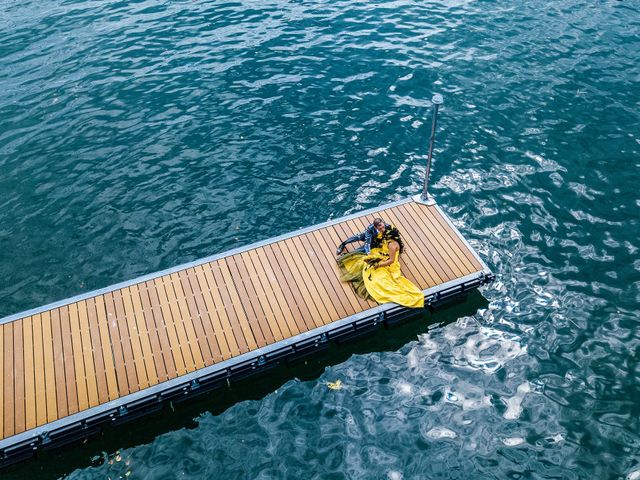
(383, 284)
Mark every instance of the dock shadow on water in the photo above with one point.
(105, 446)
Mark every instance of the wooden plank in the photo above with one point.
(188, 321)
(217, 311)
(87, 354)
(8, 384)
(126, 341)
(204, 324)
(322, 285)
(325, 263)
(263, 299)
(326, 285)
(78, 358)
(39, 372)
(311, 281)
(18, 377)
(165, 366)
(29, 373)
(247, 269)
(249, 299)
(267, 293)
(471, 261)
(178, 322)
(144, 336)
(177, 349)
(270, 289)
(326, 249)
(159, 357)
(134, 337)
(284, 298)
(108, 353)
(431, 247)
(59, 364)
(304, 316)
(240, 302)
(197, 320)
(453, 249)
(120, 362)
(49, 367)
(69, 367)
(217, 315)
(233, 308)
(185, 341)
(354, 228)
(440, 243)
(445, 243)
(348, 230)
(282, 256)
(97, 350)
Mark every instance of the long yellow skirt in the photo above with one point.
(383, 284)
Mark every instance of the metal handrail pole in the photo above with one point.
(437, 100)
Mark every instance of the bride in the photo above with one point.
(378, 274)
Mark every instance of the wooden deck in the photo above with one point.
(65, 362)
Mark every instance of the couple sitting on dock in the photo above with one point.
(374, 269)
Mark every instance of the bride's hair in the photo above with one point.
(394, 234)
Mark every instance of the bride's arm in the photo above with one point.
(393, 248)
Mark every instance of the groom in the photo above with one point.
(372, 237)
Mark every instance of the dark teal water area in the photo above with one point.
(135, 136)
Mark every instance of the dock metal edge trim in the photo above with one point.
(36, 434)
(194, 263)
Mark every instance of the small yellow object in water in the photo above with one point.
(337, 385)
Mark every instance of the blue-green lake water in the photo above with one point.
(135, 136)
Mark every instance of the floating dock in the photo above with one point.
(120, 352)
